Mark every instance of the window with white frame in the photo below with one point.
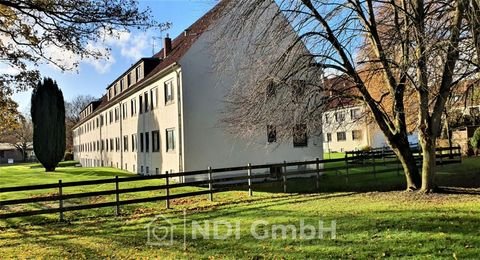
(155, 141)
(154, 98)
(341, 136)
(340, 116)
(357, 135)
(170, 137)
(355, 113)
(133, 106)
(169, 94)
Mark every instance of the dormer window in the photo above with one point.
(129, 79)
(137, 73)
(121, 85)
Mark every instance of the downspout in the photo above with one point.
(180, 125)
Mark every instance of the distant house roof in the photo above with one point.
(9, 147)
(339, 92)
(180, 46)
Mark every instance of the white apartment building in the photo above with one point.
(163, 114)
(348, 129)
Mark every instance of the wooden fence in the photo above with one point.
(214, 181)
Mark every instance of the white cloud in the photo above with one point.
(131, 46)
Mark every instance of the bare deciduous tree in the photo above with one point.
(420, 48)
(21, 137)
(72, 115)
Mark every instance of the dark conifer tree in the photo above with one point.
(48, 117)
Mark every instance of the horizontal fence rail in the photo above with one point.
(213, 181)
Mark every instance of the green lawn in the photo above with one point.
(391, 224)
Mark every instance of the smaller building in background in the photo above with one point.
(347, 124)
(349, 129)
(10, 152)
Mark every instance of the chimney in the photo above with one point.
(167, 46)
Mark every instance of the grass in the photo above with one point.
(390, 224)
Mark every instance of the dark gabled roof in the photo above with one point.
(130, 68)
(180, 46)
(339, 93)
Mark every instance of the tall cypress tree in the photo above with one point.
(48, 117)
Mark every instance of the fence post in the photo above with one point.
(249, 171)
(284, 175)
(210, 185)
(117, 197)
(60, 198)
(346, 165)
(167, 190)
(318, 173)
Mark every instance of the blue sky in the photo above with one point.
(92, 77)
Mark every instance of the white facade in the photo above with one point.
(187, 121)
(348, 129)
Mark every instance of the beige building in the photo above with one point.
(163, 113)
(348, 129)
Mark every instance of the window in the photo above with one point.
(134, 141)
(147, 142)
(339, 116)
(115, 90)
(101, 120)
(125, 144)
(141, 169)
(133, 107)
(147, 170)
(141, 142)
(121, 84)
(116, 114)
(328, 137)
(300, 135)
(155, 141)
(137, 73)
(327, 119)
(154, 98)
(103, 145)
(111, 144)
(140, 102)
(355, 113)
(146, 101)
(271, 134)
(170, 139)
(129, 79)
(111, 116)
(117, 144)
(341, 136)
(357, 135)
(169, 92)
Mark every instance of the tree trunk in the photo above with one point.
(428, 165)
(405, 155)
(401, 148)
(50, 169)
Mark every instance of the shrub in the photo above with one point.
(48, 117)
(475, 140)
(68, 156)
(366, 148)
